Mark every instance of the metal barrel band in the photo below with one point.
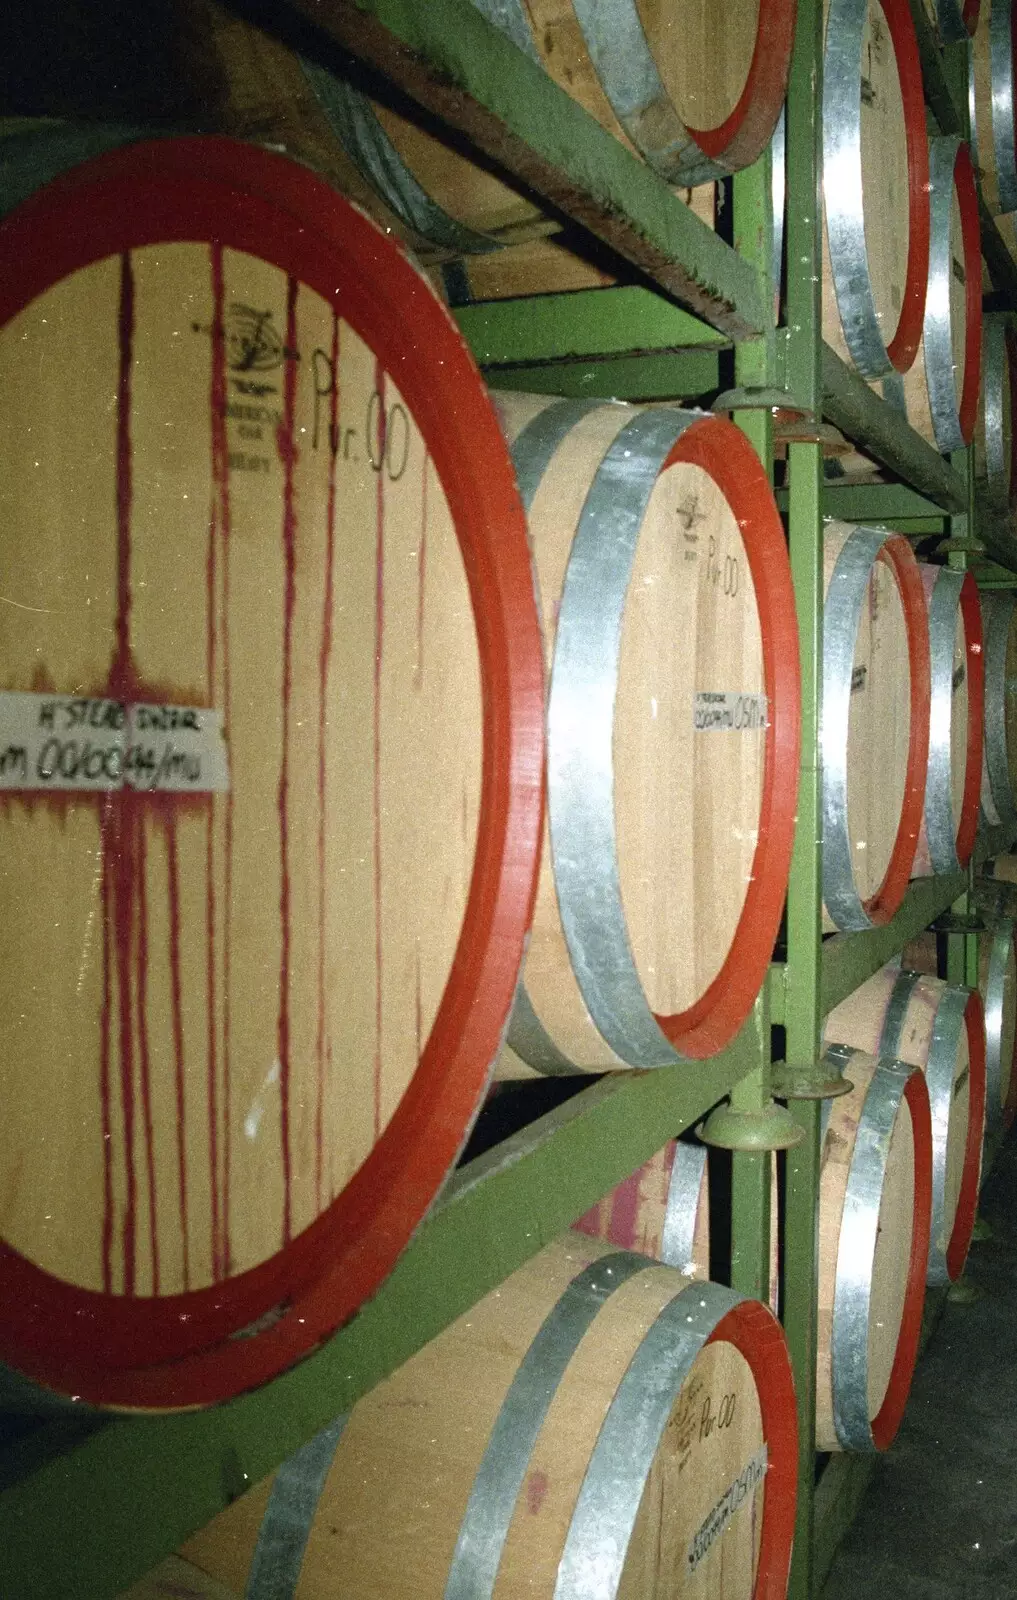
(598, 1537)
(896, 1013)
(580, 719)
(856, 1253)
(353, 121)
(950, 173)
(940, 827)
(282, 1538)
(510, 18)
(684, 1195)
(1000, 953)
(947, 1027)
(841, 616)
(995, 373)
(484, 1528)
(1001, 66)
(999, 609)
(873, 355)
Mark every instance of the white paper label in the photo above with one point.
(717, 1520)
(744, 713)
(51, 742)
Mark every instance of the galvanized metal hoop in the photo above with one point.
(999, 378)
(1000, 954)
(956, 19)
(950, 171)
(841, 615)
(873, 354)
(951, 839)
(892, 1084)
(1001, 66)
(997, 790)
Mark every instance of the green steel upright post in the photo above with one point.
(754, 369)
(802, 1004)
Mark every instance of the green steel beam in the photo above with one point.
(449, 59)
(876, 502)
(589, 323)
(801, 1004)
(163, 1477)
(839, 1494)
(850, 958)
(682, 376)
(858, 412)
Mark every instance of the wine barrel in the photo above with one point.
(875, 186)
(596, 1413)
(673, 721)
(994, 441)
(697, 88)
(274, 618)
(941, 391)
(941, 1030)
(957, 710)
(997, 985)
(875, 723)
(875, 1198)
(991, 69)
(999, 765)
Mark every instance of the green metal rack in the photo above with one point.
(89, 1503)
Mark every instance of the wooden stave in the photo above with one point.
(880, 1026)
(999, 765)
(862, 548)
(933, 405)
(872, 354)
(511, 1436)
(193, 1372)
(946, 842)
(647, 1039)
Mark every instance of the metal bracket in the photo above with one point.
(971, 547)
(771, 1128)
(955, 922)
(808, 1080)
(761, 398)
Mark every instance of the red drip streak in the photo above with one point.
(105, 1088)
(324, 659)
(177, 1006)
(220, 470)
(418, 675)
(124, 817)
(222, 481)
(286, 445)
(379, 624)
(144, 1056)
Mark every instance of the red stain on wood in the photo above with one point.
(177, 1022)
(105, 1041)
(288, 454)
(220, 495)
(324, 661)
(537, 1485)
(144, 1052)
(418, 675)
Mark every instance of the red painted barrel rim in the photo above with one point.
(744, 134)
(967, 199)
(896, 552)
(971, 614)
(140, 1352)
(888, 1418)
(722, 451)
(903, 347)
(971, 1176)
(757, 1336)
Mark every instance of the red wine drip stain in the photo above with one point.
(288, 454)
(140, 845)
(122, 815)
(222, 482)
(177, 1014)
(220, 477)
(324, 659)
(105, 1089)
(379, 624)
(418, 675)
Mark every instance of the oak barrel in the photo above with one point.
(940, 1029)
(595, 1413)
(875, 186)
(272, 716)
(673, 724)
(957, 708)
(991, 100)
(875, 723)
